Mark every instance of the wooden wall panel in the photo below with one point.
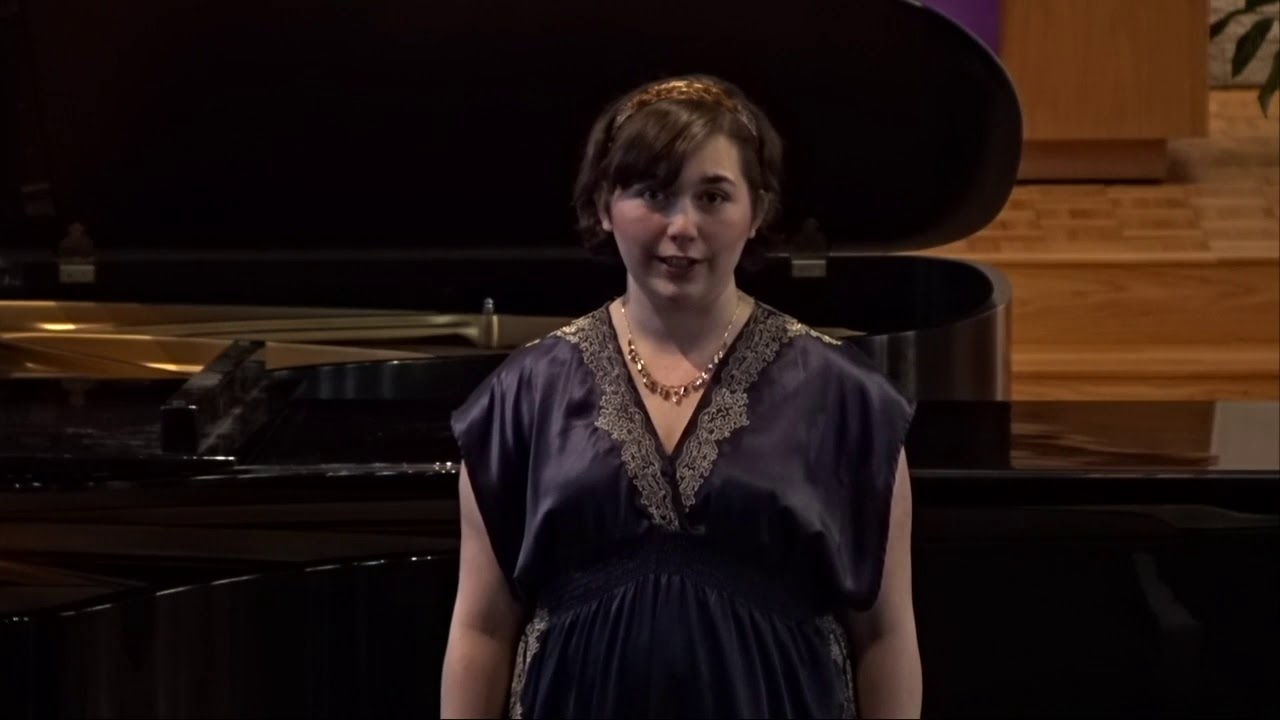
(1108, 69)
(1144, 302)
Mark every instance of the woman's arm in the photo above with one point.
(884, 637)
(485, 625)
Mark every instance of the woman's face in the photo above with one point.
(682, 243)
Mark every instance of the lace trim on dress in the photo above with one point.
(525, 651)
(763, 335)
(727, 411)
(619, 417)
(838, 643)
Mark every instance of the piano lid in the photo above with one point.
(192, 127)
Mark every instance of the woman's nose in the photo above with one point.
(682, 222)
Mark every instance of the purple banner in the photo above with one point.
(980, 17)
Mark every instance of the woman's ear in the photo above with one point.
(602, 212)
(761, 211)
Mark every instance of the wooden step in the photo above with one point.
(1166, 290)
(1143, 326)
(1143, 300)
(1240, 371)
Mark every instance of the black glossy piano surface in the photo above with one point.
(1070, 557)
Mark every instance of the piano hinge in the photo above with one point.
(75, 257)
(488, 335)
(809, 251)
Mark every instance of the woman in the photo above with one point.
(735, 545)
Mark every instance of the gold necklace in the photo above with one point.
(676, 393)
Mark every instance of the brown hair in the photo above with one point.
(647, 135)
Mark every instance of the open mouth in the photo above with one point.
(678, 262)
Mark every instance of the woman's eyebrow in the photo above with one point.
(715, 178)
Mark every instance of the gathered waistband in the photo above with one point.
(691, 558)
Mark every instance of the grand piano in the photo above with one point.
(253, 254)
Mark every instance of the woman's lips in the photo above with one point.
(678, 262)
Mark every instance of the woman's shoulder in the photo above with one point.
(511, 393)
(592, 327)
(549, 354)
(836, 365)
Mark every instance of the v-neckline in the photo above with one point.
(670, 457)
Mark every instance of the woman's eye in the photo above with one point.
(653, 196)
(713, 198)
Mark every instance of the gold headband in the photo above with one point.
(684, 89)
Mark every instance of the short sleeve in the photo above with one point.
(492, 431)
(879, 419)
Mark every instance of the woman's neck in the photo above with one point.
(681, 327)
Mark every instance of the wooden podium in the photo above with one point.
(1105, 84)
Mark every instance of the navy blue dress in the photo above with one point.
(706, 582)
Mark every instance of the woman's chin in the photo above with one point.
(672, 288)
(679, 291)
